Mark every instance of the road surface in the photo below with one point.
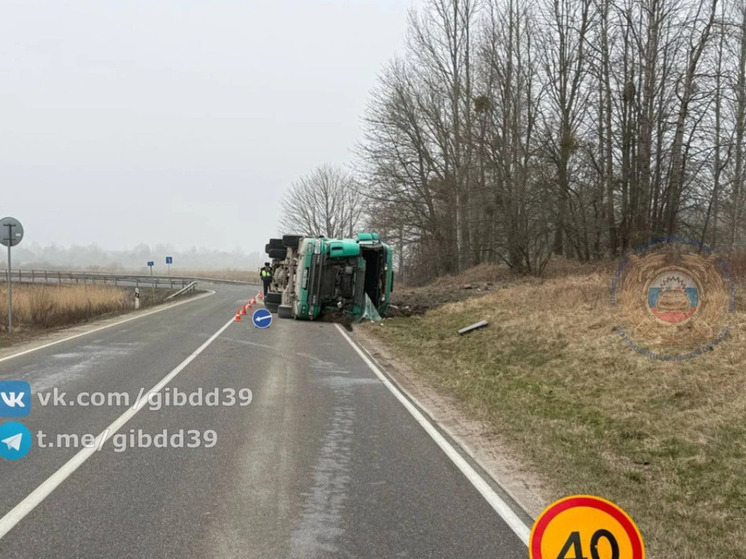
(323, 462)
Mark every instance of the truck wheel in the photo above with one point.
(275, 243)
(271, 307)
(291, 241)
(285, 311)
(275, 298)
(277, 253)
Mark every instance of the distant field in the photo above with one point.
(667, 441)
(233, 275)
(227, 274)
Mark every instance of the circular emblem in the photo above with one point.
(674, 298)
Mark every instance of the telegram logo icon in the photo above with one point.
(15, 440)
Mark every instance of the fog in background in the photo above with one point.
(93, 257)
(176, 124)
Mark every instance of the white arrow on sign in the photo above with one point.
(14, 442)
(265, 317)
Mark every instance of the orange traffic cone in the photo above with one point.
(248, 307)
(242, 311)
(238, 317)
(253, 301)
(260, 296)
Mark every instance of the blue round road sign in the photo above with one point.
(261, 318)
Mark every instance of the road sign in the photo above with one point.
(261, 318)
(151, 263)
(585, 526)
(169, 259)
(11, 231)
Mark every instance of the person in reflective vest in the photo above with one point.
(266, 274)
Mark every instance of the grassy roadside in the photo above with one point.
(667, 441)
(37, 309)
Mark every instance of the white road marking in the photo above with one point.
(128, 319)
(38, 495)
(500, 506)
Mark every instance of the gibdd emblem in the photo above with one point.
(675, 296)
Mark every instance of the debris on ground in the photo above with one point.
(475, 326)
(337, 317)
(409, 301)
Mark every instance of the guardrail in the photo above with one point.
(108, 278)
(188, 289)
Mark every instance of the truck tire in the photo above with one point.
(275, 243)
(285, 311)
(271, 307)
(275, 298)
(277, 253)
(291, 241)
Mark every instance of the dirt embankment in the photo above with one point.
(481, 280)
(411, 301)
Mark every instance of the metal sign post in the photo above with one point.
(11, 233)
(10, 291)
(150, 265)
(169, 261)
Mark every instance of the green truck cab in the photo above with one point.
(314, 274)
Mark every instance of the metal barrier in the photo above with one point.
(108, 278)
(188, 289)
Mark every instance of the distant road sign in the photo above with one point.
(261, 318)
(584, 526)
(151, 263)
(11, 231)
(169, 259)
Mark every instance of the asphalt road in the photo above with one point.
(323, 462)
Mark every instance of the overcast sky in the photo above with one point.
(179, 121)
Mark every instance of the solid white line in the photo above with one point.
(501, 507)
(34, 498)
(128, 319)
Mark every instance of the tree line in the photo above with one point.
(510, 131)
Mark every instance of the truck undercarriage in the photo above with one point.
(314, 274)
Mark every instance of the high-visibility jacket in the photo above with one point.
(265, 273)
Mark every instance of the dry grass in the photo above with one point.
(40, 306)
(666, 440)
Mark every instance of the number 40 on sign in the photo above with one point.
(585, 527)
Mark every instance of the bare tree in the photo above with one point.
(326, 202)
(510, 129)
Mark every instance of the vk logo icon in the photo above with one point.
(15, 440)
(15, 398)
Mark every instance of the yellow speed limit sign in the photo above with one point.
(585, 527)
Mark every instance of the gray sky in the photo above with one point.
(178, 121)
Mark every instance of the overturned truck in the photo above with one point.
(316, 274)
